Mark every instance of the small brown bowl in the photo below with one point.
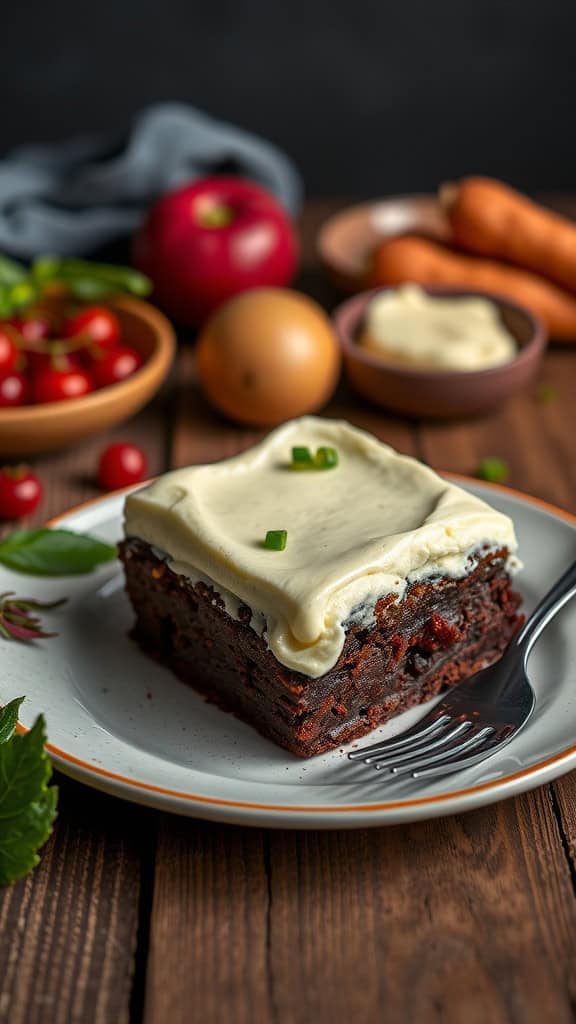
(33, 429)
(440, 394)
(346, 241)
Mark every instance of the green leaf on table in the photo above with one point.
(27, 803)
(46, 552)
(9, 719)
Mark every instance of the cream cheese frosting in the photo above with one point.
(406, 325)
(366, 528)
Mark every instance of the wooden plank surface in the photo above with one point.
(68, 933)
(422, 923)
(208, 957)
(138, 916)
(536, 437)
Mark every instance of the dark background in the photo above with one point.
(368, 98)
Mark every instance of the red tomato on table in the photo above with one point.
(20, 492)
(121, 465)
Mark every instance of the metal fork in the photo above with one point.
(480, 715)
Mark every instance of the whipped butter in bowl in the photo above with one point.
(440, 351)
(408, 326)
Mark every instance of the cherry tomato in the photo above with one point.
(35, 332)
(57, 385)
(120, 465)
(97, 323)
(115, 366)
(14, 390)
(8, 353)
(20, 492)
(34, 329)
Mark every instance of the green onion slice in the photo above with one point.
(326, 458)
(276, 540)
(302, 458)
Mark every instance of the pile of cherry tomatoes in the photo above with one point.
(43, 361)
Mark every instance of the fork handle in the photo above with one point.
(563, 590)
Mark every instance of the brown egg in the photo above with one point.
(268, 355)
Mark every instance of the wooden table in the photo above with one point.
(135, 915)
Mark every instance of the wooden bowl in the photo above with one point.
(347, 240)
(32, 429)
(433, 393)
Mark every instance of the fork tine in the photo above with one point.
(420, 741)
(443, 741)
(463, 762)
(409, 738)
(444, 755)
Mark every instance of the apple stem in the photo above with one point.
(217, 215)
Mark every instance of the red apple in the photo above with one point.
(205, 242)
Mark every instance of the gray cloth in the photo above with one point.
(74, 197)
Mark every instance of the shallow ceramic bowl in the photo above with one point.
(440, 394)
(33, 429)
(347, 240)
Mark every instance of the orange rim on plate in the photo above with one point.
(495, 784)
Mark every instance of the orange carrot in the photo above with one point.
(492, 219)
(411, 258)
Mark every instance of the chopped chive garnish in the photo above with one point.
(276, 540)
(494, 469)
(326, 458)
(302, 458)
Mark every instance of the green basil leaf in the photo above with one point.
(118, 278)
(23, 293)
(6, 307)
(45, 552)
(11, 272)
(46, 268)
(27, 833)
(9, 719)
(24, 770)
(27, 805)
(90, 289)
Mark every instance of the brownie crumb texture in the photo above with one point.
(442, 631)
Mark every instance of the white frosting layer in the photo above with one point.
(366, 528)
(406, 325)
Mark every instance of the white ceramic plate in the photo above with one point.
(121, 723)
